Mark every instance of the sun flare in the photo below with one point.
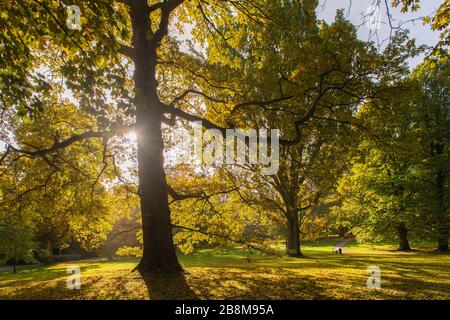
(132, 136)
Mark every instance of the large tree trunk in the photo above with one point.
(293, 236)
(159, 251)
(402, 233)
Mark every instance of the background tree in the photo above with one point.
(316, 78)
(66, 197)
(432, 127)
(389, 188)
(16, 229)
(17, 241)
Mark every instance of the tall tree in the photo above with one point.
(316, 76)
(432, 129)
(92, 65)
(397, 182)
(16, 228)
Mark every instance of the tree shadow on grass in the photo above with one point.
(261, 283)
(162, 286)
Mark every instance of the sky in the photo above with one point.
(355, 9)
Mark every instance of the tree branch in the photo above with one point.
(59, 145)
(166, 8)
(224, 237)
(7, 151)
(127, 51)
(198, 195)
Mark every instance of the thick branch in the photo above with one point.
(127, 51)
(192, 118)
(59, 145)
(198, 195)
(166, 9)
(8, 149)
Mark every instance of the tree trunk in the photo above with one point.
(442, 217)
(158, 249)
(402, 233)
(442, 238)
(442, 214)
(342, 231)
(293, 236)
(14, 265)
(159, 252)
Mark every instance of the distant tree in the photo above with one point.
(65, 197)
(317, 76)
(17, 238)
(398, 180)
(376, 202)
(431, 128)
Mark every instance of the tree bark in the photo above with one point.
(402, 233)
(293, 236)
(159, 252)
(443, 219)
(158, 248)
(442, 239)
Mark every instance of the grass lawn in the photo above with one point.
(228, 274)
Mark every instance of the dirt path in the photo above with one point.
(340, 246)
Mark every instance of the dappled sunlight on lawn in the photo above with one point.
(238, 274)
